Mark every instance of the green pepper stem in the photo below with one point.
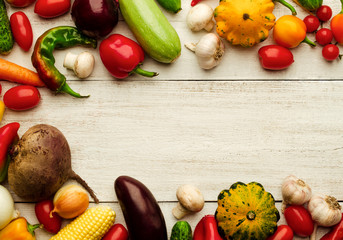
(70, 91)
(341, 12)
(309, 42)
(145, 73)
(289, 6)
(31, 228)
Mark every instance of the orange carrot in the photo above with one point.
(14, 73)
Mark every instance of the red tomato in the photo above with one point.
(299, 220)
(42, 210)
(324, 13)
(283, 232)
(312, 23)
(21, 97)
(22, 30)
(324, 36)
(20, 3)
(52, 8)
(330, 52)
(116, 232)
(275, 57)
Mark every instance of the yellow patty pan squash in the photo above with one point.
(246, 22)
(246, 212)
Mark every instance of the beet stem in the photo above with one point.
(77, 178)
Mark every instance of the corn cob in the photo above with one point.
(91, 225)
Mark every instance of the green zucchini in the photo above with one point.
(181, 231)
(6, 37)
(152, 29)
(309, 5)
(171, 5)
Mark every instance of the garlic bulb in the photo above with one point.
(209, 50)
(70, 201)
(200, 17)
(325, 211)
(295, 191)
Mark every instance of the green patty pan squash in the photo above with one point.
(246, 22)
(246, 212)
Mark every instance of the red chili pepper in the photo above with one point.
(122, 56)
(195, 2)
(116, 232)
(207, 229)
(336, 233)
(8, 134)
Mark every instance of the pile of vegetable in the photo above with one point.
(37, 165)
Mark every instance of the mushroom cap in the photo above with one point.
(84, 64)
(199, 16)
(190, 197)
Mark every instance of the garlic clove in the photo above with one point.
(70, 201)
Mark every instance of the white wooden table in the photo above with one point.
(236, 122)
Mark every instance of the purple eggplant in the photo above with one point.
(143, 216)
(95, 18)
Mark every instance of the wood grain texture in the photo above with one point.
(236, 122)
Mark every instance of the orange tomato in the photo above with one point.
(337, 27)
(289, 31)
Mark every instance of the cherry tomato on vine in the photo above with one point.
(330, 52)
(324, 13)
(299, 220)
(52, 8)
(275, 57)
(283, 232)
(116, 232)
(21, 97)
(324, 36)
(22, 30)
(312, 23)
(42, 210)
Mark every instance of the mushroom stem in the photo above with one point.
(179, 211)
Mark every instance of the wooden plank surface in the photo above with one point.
(236, 122)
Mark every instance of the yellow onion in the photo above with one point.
(70, 201)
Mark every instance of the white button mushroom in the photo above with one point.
(200, 17)
(82, 64)
(190, 200)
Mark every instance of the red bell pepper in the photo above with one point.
(336, 233)
(122, 56)
(207, 229)
(116, 232)
(8, 134)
